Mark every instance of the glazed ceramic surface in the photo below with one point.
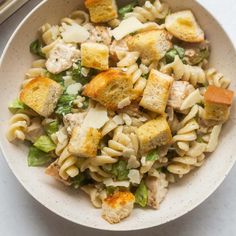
(74, 205)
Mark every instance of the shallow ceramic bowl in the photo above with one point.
(182, 197)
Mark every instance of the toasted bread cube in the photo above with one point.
(156, 93)
(117, 206)
(84, 141)
(102, 10)
(110, 88)
(179, 91)
(41, 95)
(154, 133)
(95, 55)
(217, 103)
(152, 45)
(184, 26)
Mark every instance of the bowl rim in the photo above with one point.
(66, 217)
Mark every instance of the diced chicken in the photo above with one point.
(118, 45)
(53, 170)
(61, 58)
(179, 91)
(73, 120)
(157, 189)
(99, 34)
(118, 206)
(35, 130)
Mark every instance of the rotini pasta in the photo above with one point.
(217, 79)
(150, 11)
(120, 110)
(194, 74)
(67, 164)
(38, 69)
(18, 127)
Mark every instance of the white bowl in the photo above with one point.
(74, 206)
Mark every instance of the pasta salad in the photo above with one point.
(121, 102)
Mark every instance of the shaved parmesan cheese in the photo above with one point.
(126, 27)
(118, 120)
(74, 89)
(74, 34)
(96, 117)
(134, 176)
(68, 80)
(109, 182)
(125, 102)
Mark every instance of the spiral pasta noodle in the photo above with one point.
(61, 139)
(194, 74)
(149, 11)
(96, 195)
(77, 17)
(37, 69)
(67, 164)
(18, 127)
(121, 144)
(183, 165)
(217, 79)
(185, 135)
(128, 64)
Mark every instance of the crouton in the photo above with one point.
(101, 10)
(156, 41)
(184, 26)
(179, 91)
(95, 55)
(154, 133)
(84, 141)
(118, 206)
(156, 93)
(41, 95)
(217, 103)
(109, 88)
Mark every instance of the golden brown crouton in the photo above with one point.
(154, 133)
(184, 26)
(118, 206)
(217, 103)
(156, 93)
(109, 88)
(95, 55)
(41, 94)
(152, 45)
(84, 141)
(101, 10)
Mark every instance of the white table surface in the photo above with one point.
(20, 214)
